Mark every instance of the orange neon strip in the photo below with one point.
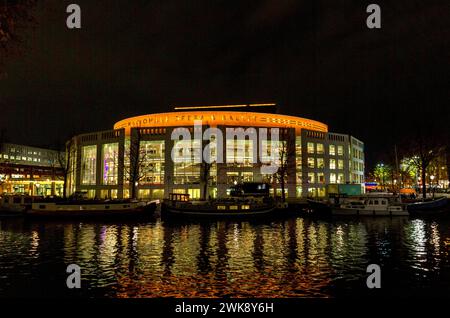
(220, 118)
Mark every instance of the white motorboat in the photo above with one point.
(372, 206)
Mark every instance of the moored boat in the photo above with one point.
(16, 205)
(178, 205)
(319, 207)
(92, 209)
(371, 206)
(438, 206)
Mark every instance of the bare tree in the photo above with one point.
(423, 152)
(286, 152)
(14, 15)
(205, 177)
(137, 164)
(63, 161)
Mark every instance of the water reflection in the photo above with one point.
(290, 258)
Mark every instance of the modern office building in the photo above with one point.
(138, 157)
(29, 170)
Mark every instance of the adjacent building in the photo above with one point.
(137, 156)
(30, 170)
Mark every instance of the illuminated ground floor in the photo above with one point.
(30, 180)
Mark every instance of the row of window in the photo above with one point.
(319, 163)
(150, 161)
(319, 177)
(357, 178)
(20, 158)
(358, 154)
(358, 166)
(152, 165)
(318, 148)
(21, 151)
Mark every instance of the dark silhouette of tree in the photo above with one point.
(423, 150)
(63, 160)
(205, 177)
(14, 16)
(286, 152)
(137, 166)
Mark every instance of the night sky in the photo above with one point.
(316, 59)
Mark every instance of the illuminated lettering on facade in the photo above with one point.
(220, 118)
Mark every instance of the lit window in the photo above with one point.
(311, 177)
(110, 154)
(321, 192)
(312, 192)
(332, 178)
(320, 177)
(247, 176)
(152, 154)
(320, 149)
(340, 150)
(299, 191)
(320, 163)
(311, 162)
(340, 164)
(310, 147)
(332, 150)
(332, 163)
(341, 178)
(88, 164)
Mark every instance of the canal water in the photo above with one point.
(294, 257)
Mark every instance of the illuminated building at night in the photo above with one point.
(102, 162)
(29, 170)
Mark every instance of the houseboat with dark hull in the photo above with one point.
(105, 209)
(27, 206)
(178, 205)
(245, 200)
(439, 206)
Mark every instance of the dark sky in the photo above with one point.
(316, 59)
